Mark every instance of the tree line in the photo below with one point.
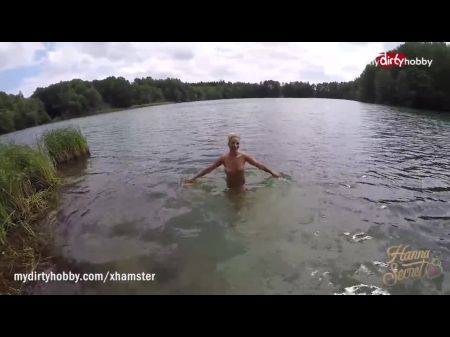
(411, 86)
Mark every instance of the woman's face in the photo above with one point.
(234, 143)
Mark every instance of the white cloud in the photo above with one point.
(18, 54)
(193, 62)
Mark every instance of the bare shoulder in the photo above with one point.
(246, 156)
(251, 160)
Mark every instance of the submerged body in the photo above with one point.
(234, 169)
(234, 164)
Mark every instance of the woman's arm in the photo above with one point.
(207, 170)
(261, 166)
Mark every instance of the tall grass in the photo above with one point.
(27, 190)
(26, 176)
(28, 181)
(65, 144)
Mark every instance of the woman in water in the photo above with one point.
(234, 162)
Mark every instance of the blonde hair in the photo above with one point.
(233, 135)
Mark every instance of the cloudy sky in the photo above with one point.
(26, 66)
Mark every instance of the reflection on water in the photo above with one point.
(358, 179)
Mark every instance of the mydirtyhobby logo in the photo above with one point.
(405, 263)
(391, 59)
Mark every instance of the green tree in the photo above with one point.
(384, 87)
(6, 121)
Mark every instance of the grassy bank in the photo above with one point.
(63, 145)
(28, 191)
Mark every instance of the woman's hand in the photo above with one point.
(189, 180)
(276, 174)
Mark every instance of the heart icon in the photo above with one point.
(434, 269)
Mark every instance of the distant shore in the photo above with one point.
(131, 107)
(108, 110)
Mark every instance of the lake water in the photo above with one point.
(357, 179)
